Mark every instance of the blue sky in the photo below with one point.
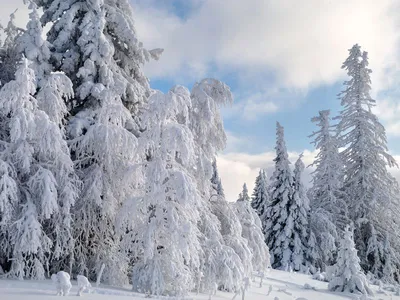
(282, 60)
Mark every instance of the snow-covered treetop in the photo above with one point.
(95, 43)
(365, 157)
(328, 174)
(209, 95)
(244, 195)
(34, 47)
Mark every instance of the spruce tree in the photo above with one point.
(216, 181)
(328, 208)
(9, 53)
(302, 250)
(369, 187)
(346, 275)
(95, 44)
(283, 220)
(244, 195)
(260, 195)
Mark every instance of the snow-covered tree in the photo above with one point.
(369, 187)
(252, 232)
(177, 241)
(162, 222)
(9, 54)
(219, 263)
(388, 256)
(95, 44)
(284, 220)
(216, 181)
(37, 157)
(302, 244)
(346, 275)
(244, 195)
(260, 195)
(328, 209)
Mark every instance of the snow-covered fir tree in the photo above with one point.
(346, 275)
(36, 157)
(302, 241)
(216, 181)
(244, 194)
(260, 195)
(285, 217)
(231, 231)
(95, 44)
(328, 209)
(9, 54)
(370, 189)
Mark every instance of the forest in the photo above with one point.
(105, 177)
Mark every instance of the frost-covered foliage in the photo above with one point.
(162, 222)
(260, 195)
(62, 281)
(328, 209)
(285, 217)
(371, 192)
(174, 232)
(252, 232)
(83, 284)
(346, 275)
(95, 44)
(9, 54)
(39, 182)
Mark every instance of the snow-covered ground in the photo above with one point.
(279, 285)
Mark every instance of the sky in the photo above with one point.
(282, 61)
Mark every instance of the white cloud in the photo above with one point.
(235, 168)
(388, 111)
(8, 7)
(302, 43)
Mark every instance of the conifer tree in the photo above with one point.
(346, 275)
(283, 219)
(260, 195)
(95, 44)
(369, 187)
(328, 208)
(9, 54)
(244, 195)
(216, 181)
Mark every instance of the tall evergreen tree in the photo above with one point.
(369, 187)
(328, 208)
(260, 195)
(95, 44)
(283, 219)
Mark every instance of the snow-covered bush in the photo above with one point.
(83, 284)
(62, 281)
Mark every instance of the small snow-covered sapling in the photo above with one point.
(62, 281)
(83, 284)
